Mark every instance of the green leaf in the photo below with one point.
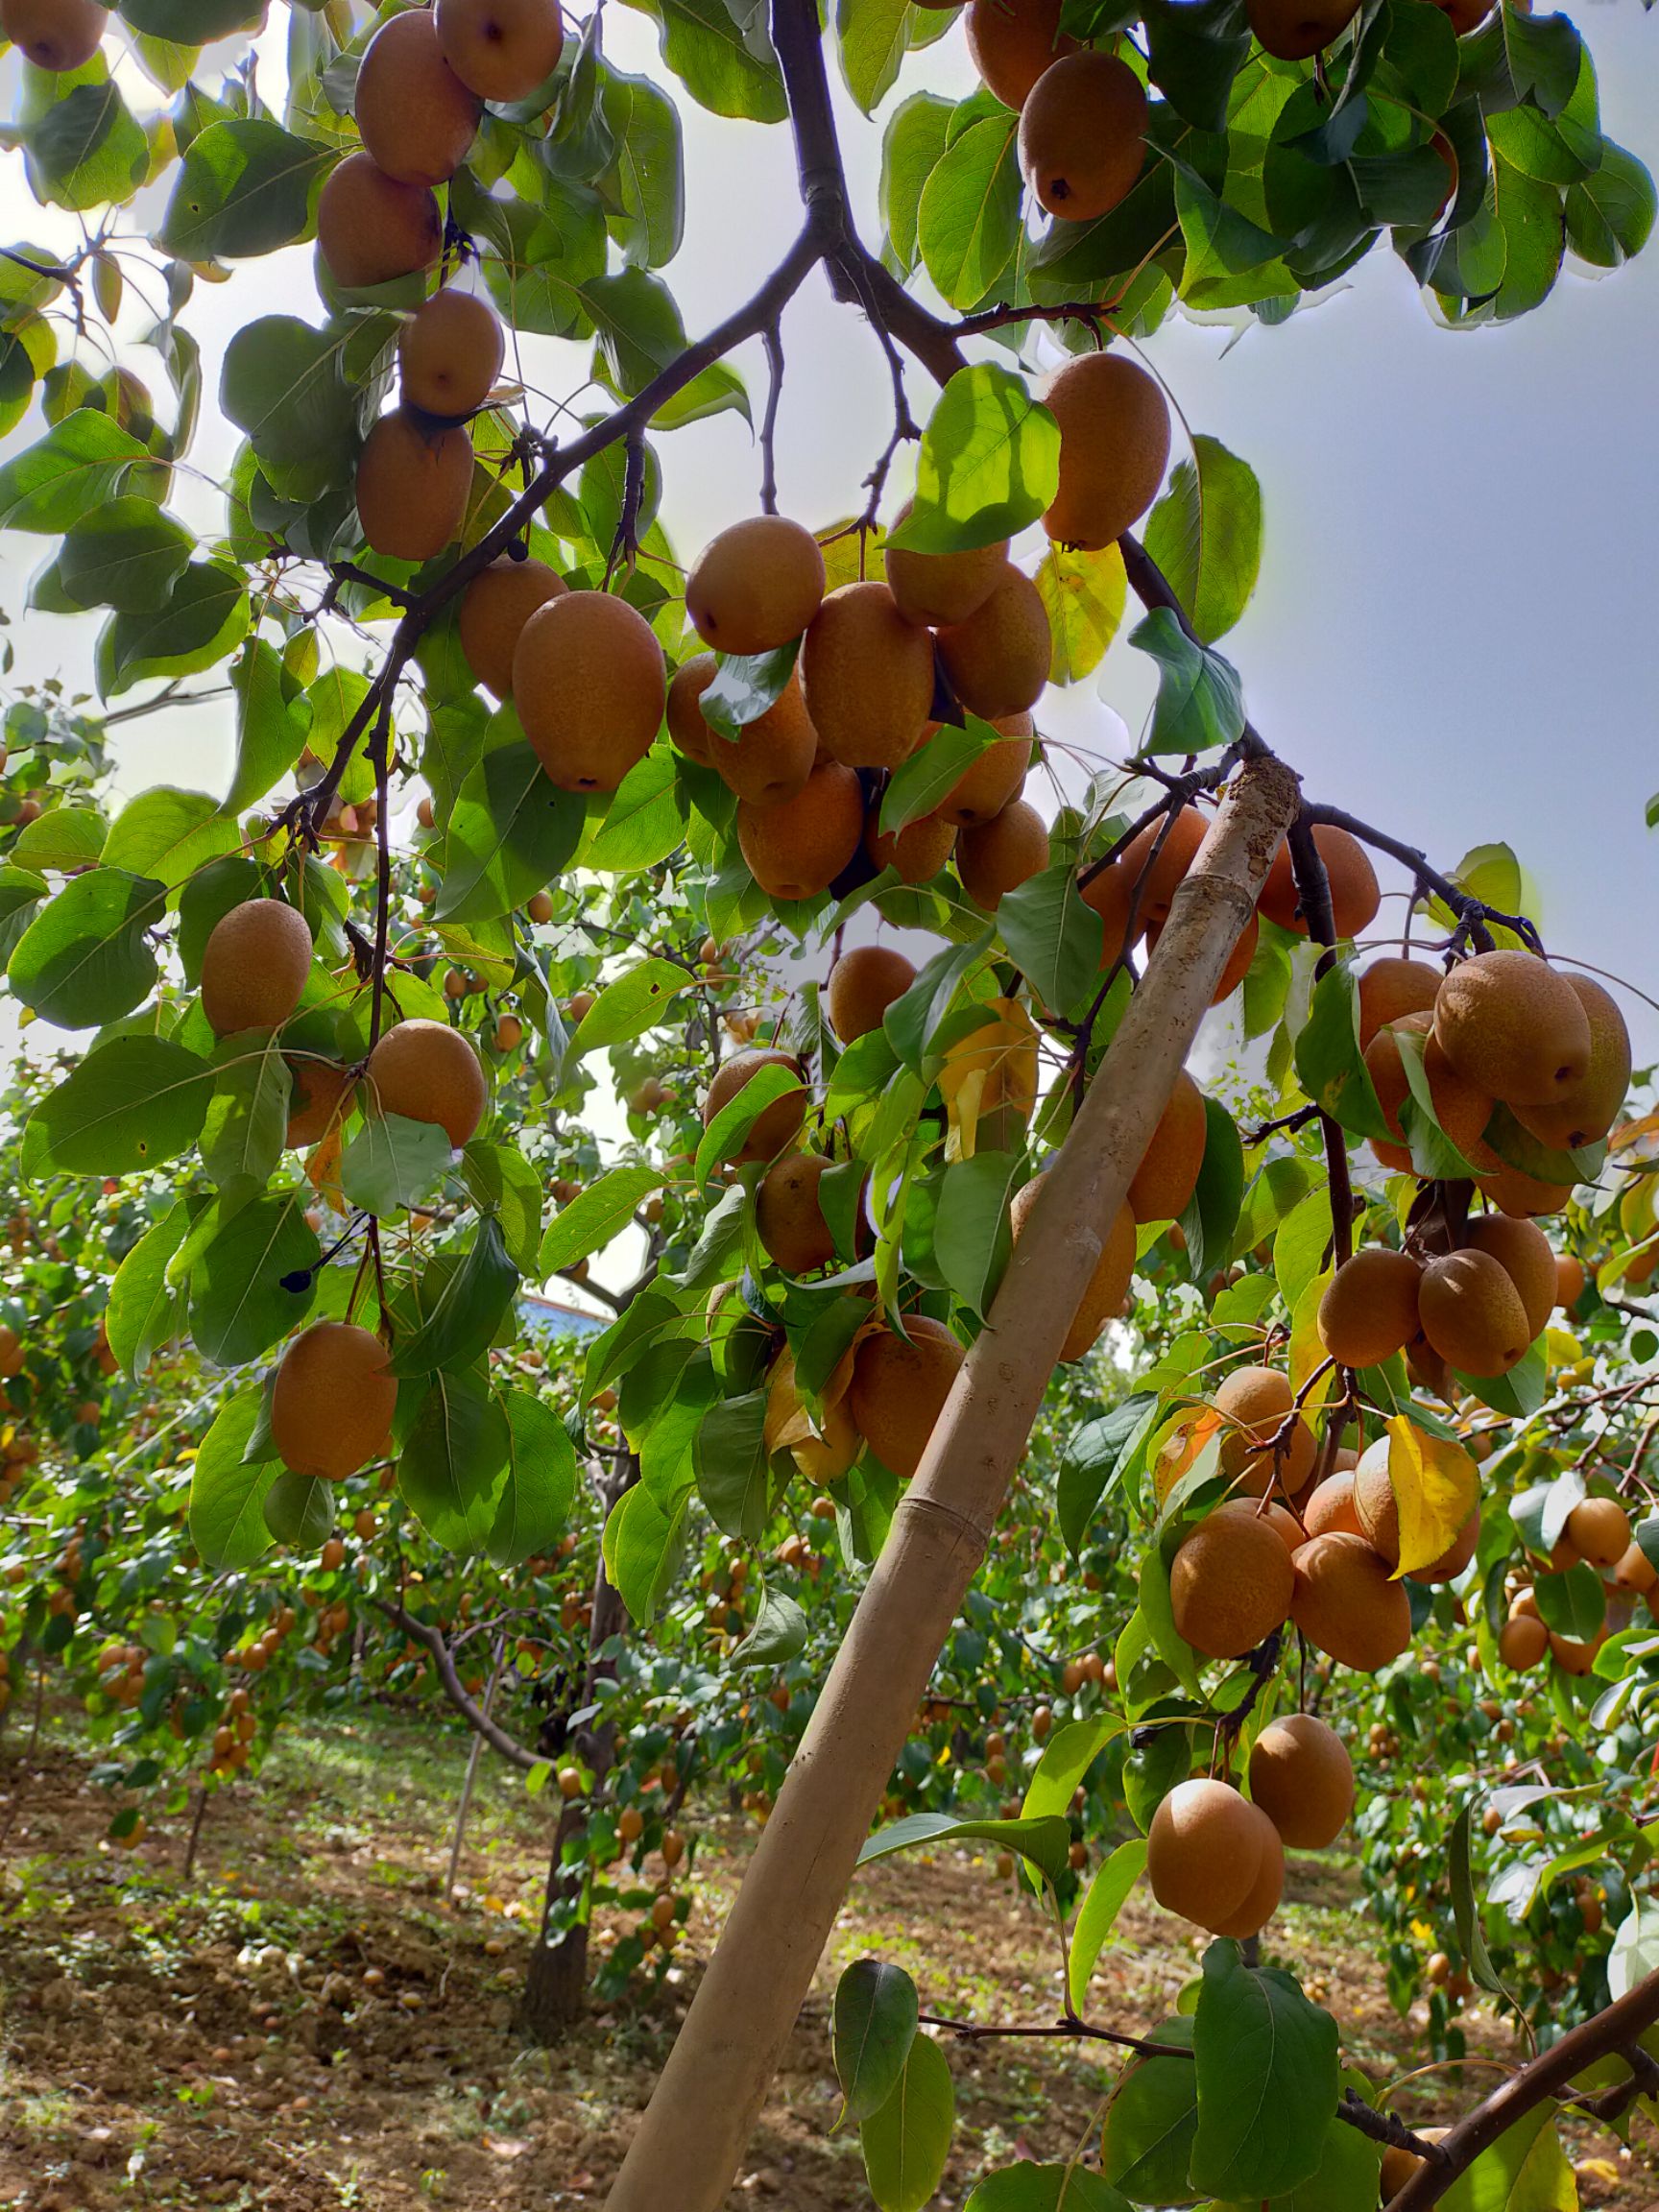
(144, 1312)
(468, 1310)
(204, 618)
(300, 1509)
(875, 2025)
(66, 838)
(502, 1182)
(78, 467)
(916, 136)
(1084, 595)
(1098, 1456)
(1466, 1908)
(596, 1216)
(85, 959)
(245, 187)
(1231, 261)
(285, 384)
(989, 464)
(872, 38)
(643, 822)
(128, 555)
(972, 1237)
(911, 1020)
(640, 1000)
(450, 1469)
(1096, 1915)
(1572, 1603)
(1330, 1066)
(270, 728)
(1524, 2171)
(968, 225)
(131, 1105)
(256, 1279)
(777, 1636)
(1206, 535)
(641, 1545)
(732, 1465)
(166, 834)
(1045, 1842)
(247, 1125)
(390, 1162)
(1348, 2170)
(540, 1488)
(720, 52)
(644, 186)
(87, 150)
(907, 2141)
(1151, 2123)
(1031, 2188)
(1610, 215)
(922, 782)
(1200, 700)
(511, 833)
(745, 685)
(1053, 937)
(724, 1138)
(1267, 2078)
(226, 1494)
(1212, 1215)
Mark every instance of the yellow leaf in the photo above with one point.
(991, 1069)
(1436, 1486)
(1084, 595)
(1176, 1448)
(1308, 1346)
(1561, 1348)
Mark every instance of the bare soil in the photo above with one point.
(307, 2024)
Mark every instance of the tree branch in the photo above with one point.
(455, 1690)
(1313, 896)
(1611, 2033)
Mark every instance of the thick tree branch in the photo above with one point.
(1613, 2033)
(1313, 896)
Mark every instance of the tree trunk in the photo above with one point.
(691, 2138)
(556, 1981)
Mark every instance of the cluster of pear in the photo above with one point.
(1597, 1533)
(1217, 1858)
(55, 35)
(1502, 1029)
(421, 87)
(878, 657)
(1322, 1555)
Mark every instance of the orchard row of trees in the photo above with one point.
(1340, 1452)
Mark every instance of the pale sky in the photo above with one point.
(1452, 632)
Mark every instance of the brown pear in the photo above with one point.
(371, 229)
(502, 50)
(449, 353)
(590, 686)
(1391, 989)
(1472, 1314)
(413, 485)
(254, 967)
(899, 1385)
(1156, 861)
(1215, 1858)
(1588, 1111)
(997, 856)
(1348, 1605)
(1229, 1582)
(917, 853)
(1355, 895)
(987, 783)
(1369, 1311)
(427, 1072)
(55, 35)
(332, 1402)
(1012, 42)
(789, 1219)
(495, 607)
(776, 1124)
(862, 985)
(936, 588)
(1114, 447)
(418, 120)
(1303, 1779)
(757, 586)
(1083, 134)
(997, 659)
(1168, 1171)
(1509, 1023)
(317, 1098)
(868, 677)
(796, 848)
(1291, 29)
(1527, 1257)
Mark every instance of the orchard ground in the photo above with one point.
(307, 2024)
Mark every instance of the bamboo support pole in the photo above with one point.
(691, 2138)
